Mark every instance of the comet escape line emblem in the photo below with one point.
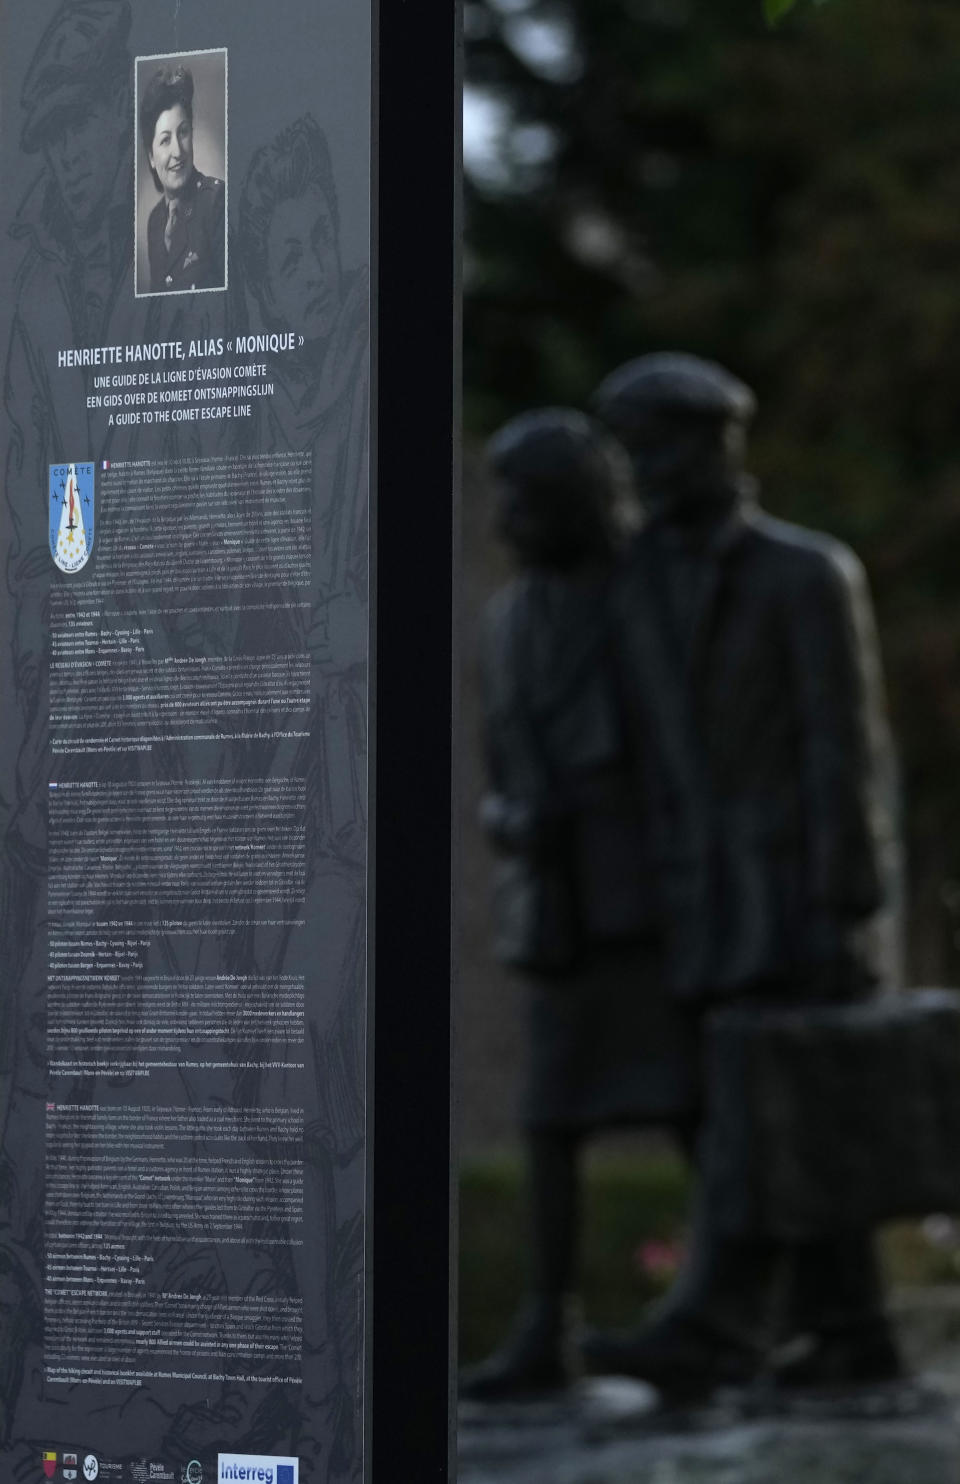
(71, 515)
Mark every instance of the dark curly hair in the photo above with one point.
(282, 170)
(558, 479)
(167, 87)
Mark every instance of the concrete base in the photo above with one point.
(611, 1431)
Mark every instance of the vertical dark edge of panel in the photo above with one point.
(455, 673)
(415, 420)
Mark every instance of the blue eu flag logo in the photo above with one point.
(284, 1473)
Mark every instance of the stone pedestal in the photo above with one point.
(610, 1431)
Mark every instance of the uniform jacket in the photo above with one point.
(195, 259)
(765, 740)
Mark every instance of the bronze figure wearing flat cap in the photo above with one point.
(747, 652)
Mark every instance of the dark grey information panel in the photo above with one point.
(185, 329)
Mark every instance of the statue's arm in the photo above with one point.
(845, 749)
(520, 813)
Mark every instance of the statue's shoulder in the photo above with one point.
(801, 556)
(503, 608)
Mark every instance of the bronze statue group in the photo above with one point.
(691, 801)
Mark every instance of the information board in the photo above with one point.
(186, 323)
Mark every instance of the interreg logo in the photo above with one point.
(252, 1468)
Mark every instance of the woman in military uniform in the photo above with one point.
(185, 231)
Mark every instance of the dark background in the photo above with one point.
(679, 174)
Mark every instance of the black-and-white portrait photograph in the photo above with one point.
(181, 189)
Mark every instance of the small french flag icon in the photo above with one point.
(104, 463)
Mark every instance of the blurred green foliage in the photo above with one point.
(681, 174)
(775, 10)
(628, 1202)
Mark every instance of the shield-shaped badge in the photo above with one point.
(71, 515)
(49, 1464)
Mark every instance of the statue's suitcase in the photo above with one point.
(826, 1118)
